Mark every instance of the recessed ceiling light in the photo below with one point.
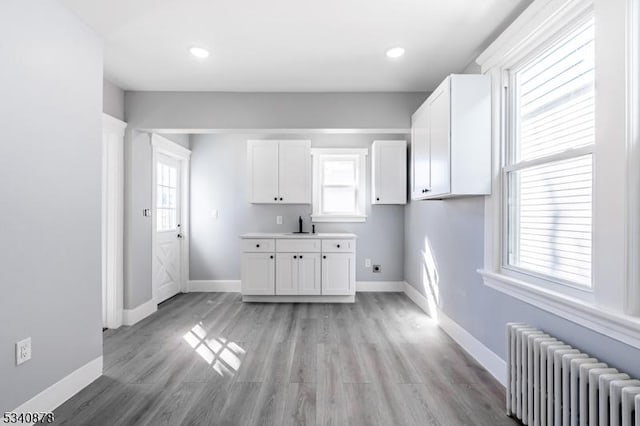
(199, 52)
(395, 52)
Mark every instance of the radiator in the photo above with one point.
(550, 383)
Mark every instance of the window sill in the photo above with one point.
(625, 328)
(338, 219)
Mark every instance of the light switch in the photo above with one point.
(278, 220)
(367, 263)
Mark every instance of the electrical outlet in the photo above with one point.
(367, 263)
(278, 220)
(23, 351)
(377, 268)
(214, 213)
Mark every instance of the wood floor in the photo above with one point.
(209, 359)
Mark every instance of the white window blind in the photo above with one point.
(550, 170)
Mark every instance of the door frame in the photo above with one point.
(162, 145)
(113, 131)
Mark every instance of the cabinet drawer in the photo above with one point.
(258, 245)
(338, 246)
(297, 246)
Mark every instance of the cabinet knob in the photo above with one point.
(280, 198)
(257, 245)
(300, 256)
(377, 198)
(324, 257)
(271, 257)
(338, 245)
(275, 198)
(295, 257)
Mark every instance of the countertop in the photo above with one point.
(320, 235)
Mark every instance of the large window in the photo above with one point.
(339, 185)
(549, 170)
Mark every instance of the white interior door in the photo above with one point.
(167, 259)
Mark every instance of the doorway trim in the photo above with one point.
(162, 145)
(113, 131)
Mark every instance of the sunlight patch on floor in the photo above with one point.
(221, 354)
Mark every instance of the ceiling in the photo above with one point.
(291, 45)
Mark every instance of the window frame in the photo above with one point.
(606, 311)
(510, 165)
(633, 154)
(358, 155)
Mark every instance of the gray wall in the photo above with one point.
(219, 181)
(112, 100)
(175, 111)
(182, 139)
(50, 163)
(454, 231)
(217, 110)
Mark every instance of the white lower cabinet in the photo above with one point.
(258, 273)
(309, 273)
(338, 274)
(298, 274)
(273, 266)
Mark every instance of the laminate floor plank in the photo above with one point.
(362, 406)
(331, 407)
(300, 405)
(303, 369)
(210, 359)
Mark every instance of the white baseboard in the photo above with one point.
(485, 356)
(214, 286)
(56, 394)
(417, 298)
(132, 316)
(380, 286)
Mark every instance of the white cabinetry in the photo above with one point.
(279, 171)
(258, 273)
(298, 274)
(451, 140)
(292, 267)
(389, 172)
(338, 274)
(338, 267)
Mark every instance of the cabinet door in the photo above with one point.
(439, 131)
(420, 152)
(295, 172)
(389, 177)
(309, 273)
(263, 171)
(338, 274)
(258, 273)
(286, 273)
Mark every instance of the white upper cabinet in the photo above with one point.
(263, 171)
(451, 140)
(295, 172)
(389, 172)
(279, 171)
